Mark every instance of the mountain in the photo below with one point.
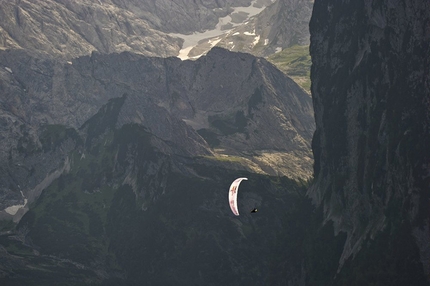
(282, 24)
(281, 34)
(125, 211)
(114, 167)
(370, 88)
(117, 163)
(69, 29)
(232, 106)
(184, 16)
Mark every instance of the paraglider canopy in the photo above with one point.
(232, 195)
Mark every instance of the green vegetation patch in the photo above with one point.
(295, 62)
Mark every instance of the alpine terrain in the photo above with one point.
(117, 153)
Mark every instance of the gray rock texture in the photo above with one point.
(69, 29)
(371, 93)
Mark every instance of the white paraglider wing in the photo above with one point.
(232, 194)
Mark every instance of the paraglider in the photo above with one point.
(232, 195)
(254, 210)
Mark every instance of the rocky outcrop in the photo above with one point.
(370, 87)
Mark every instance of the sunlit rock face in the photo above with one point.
(69, 29)
(371, 93)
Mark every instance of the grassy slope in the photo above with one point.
(295, 62)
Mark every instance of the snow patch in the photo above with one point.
(190, 41)
(8, 69)
(237, 33)
(183, 54)
(256, 40)
(215, 41)
(278, 49)
(266, 42)
(12, 210)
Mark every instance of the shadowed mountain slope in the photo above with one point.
(121, 164)
(233, 106)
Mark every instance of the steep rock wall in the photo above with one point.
(371, 86)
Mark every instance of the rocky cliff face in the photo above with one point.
(371, 87)
(69, 29)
